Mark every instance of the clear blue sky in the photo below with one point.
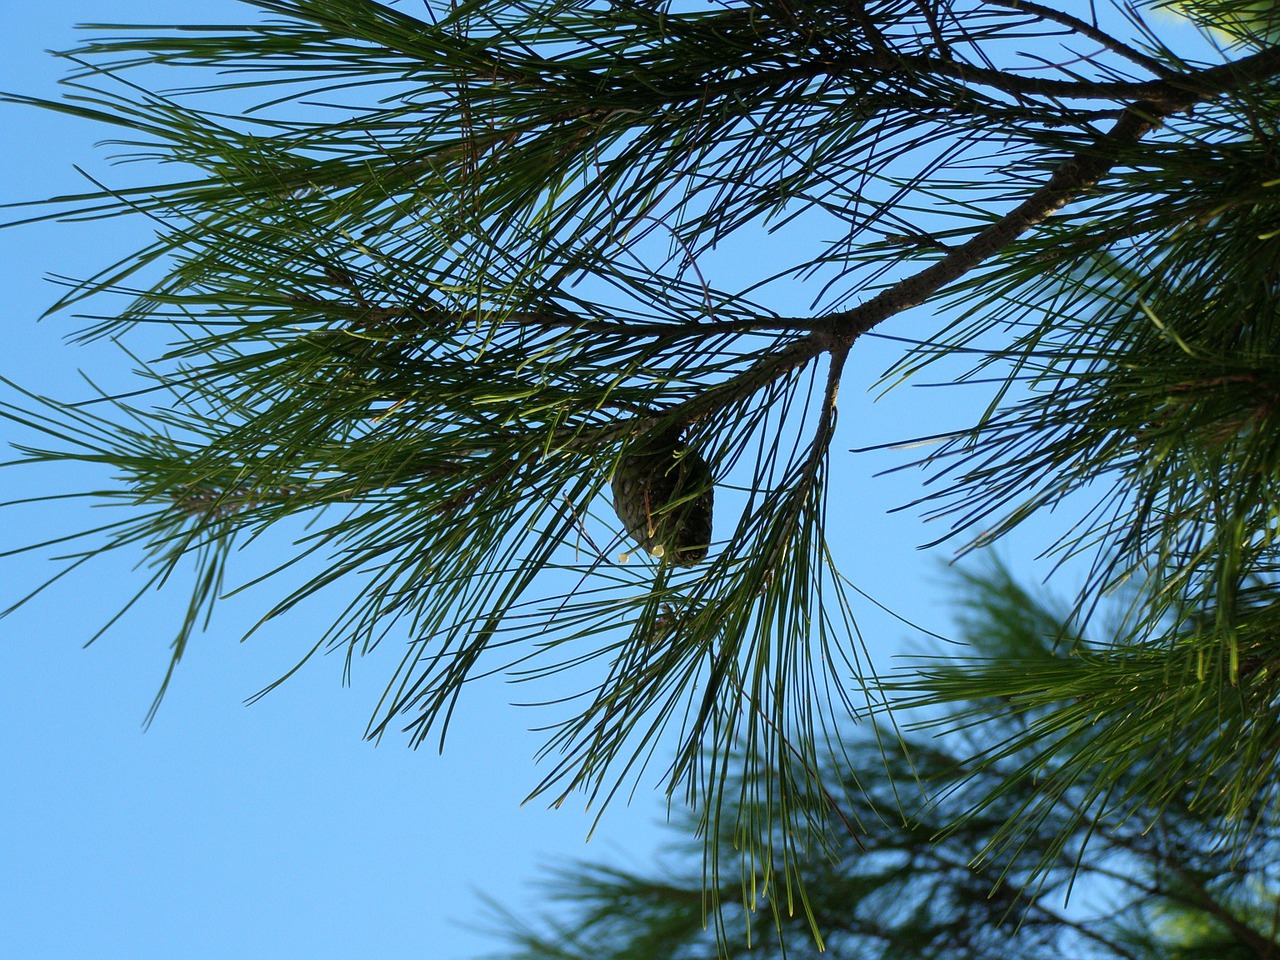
(274, 830)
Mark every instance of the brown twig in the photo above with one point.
(1077, 174)
(1089, 31)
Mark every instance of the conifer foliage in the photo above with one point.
(439, 284)
(905, 888)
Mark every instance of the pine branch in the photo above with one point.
(459, 304)
(1073, 177)
(901, 66)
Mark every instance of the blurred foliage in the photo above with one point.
(902, 884)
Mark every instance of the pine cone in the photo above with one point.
(662, 493)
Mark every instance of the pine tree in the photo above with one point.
(1143, 885)
(434, 287)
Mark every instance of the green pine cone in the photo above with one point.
(663, 492)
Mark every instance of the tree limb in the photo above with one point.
(1074, 176)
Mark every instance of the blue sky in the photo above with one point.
(275, 830)
(225, 830)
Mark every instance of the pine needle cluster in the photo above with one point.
(432, 285)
